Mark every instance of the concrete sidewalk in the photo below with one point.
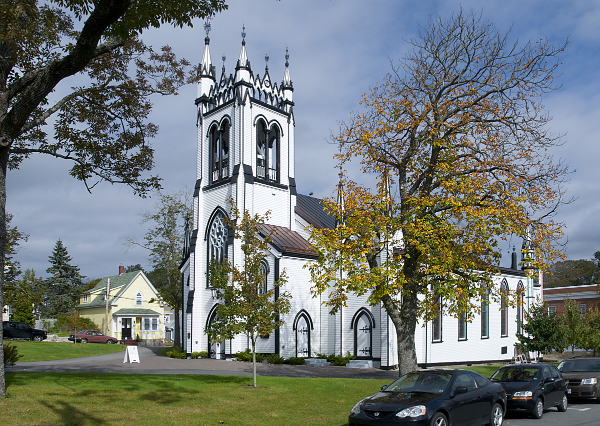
(151, 363)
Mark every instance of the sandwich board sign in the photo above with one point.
(131, 354)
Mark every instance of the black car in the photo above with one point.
(433, 397)
(532, 387)
(582, 376)
(21, 330)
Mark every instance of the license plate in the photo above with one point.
(568, 390)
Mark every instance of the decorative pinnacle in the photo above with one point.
(287, 57)
(243, 32)
(207, 25)
(267, 61)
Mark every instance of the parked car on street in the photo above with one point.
(532, 388)
(92, 336)
(582, 376)
(21, 330)
(433, 397)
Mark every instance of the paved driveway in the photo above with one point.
(151, 363)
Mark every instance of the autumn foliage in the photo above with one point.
(458, 141)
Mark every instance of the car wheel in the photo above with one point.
(37, 338)
(497, 415)
(538, 409)
(562, 407)
(83, 340)
(110, 342)
(439, 419)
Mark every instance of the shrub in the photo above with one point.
(203, 354)
(11, 354)
(64, 325)
(177, 353)
(195, 355)
(293, 360)
(245, 356)
(338, 360)
(274, 359)
(138, 338)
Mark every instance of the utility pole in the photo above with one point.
(107, 301)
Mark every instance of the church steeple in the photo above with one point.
(243, 70)
(207, 70)
(286, 85)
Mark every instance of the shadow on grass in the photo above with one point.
(70, 415)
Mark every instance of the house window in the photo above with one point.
(551, 309)
(520, 306)
(462, 327)
(219, 152)
(264, 271)
(138, 299)
(147, 324)
(485, 315)
(85, 298)
(582, 309)
(504, 309)
(154, 324)
(267, 152)
(436, 323)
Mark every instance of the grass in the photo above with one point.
(49, 351)
(121, 399)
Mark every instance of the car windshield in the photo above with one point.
(579, 365)
(513, 374)
(421, 382)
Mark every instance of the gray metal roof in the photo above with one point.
(311, 210)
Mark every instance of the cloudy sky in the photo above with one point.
(338, 49)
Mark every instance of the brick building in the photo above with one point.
(586, 297)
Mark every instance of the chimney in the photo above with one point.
(121, 270)
(513, 260)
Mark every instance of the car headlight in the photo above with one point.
(589, 381)
(416, 411)
(356, 409)
(523, 394)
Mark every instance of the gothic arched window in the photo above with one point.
(217, 240)
(267, 151)
(504, 309)
(520, 306)
(219, 152)
(264, 272)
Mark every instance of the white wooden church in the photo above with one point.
(246, 150)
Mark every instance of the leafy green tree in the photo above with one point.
(133, 268)
(101, 123)
(572, 273)
(459, 147)
(542, 331)
(62, 288)
(14, 237)
(164, 241)
(25, 297)
(573, 325)
(246, 307)
(591, 331)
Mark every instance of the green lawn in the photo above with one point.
(124, 399)
(48, 351)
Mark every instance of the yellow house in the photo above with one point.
(134, 309)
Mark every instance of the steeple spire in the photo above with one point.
(287, 81)
(242, 70)
(206, 64)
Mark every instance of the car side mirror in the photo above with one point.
(384, 387)
(549, 380)
(459, 390)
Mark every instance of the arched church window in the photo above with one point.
(520, 306)
(267, 151)
(219, 152)
(504, 309)
(217, 240)
(264, 272)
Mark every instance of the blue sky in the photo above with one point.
(338, 49)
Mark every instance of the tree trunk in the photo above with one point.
(405, 321)
(4, 154)
(254, 360)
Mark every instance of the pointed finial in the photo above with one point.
(267, 62)
(243, 34)
(287, 57)
(207, 29)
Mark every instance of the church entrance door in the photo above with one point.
(362, 337)
(302, 337)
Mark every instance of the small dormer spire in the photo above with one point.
(287, 81)
(243, 60)
(206, 65)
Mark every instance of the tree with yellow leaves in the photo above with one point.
(458, 140)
